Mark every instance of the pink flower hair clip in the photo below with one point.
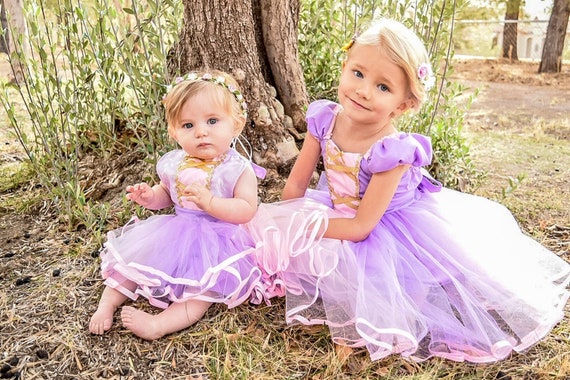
(207, 77)
(425, 75)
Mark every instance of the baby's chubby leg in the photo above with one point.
(176, 317)
(111, 299)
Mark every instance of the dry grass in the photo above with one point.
(50, 285)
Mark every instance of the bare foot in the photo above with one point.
(143, 325)
(102, 319)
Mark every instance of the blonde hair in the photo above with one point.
(202, 83)
(403, 47)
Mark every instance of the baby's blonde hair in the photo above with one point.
(403, 47)
(186, 89)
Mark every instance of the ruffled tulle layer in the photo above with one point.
(451, 276)
(175, 258)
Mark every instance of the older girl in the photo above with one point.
(380, 252)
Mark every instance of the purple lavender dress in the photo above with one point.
(443, 273)
(187, 255)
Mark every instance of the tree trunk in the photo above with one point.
(551, 61)
(14, 24)
(279, 25)
(5, 39)
(510, 30)
(257, 44)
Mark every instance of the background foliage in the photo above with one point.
(92, 86)
(94, 81)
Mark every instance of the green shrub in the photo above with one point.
(90, 87)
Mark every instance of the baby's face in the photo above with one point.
(204, 129)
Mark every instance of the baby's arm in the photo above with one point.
(153, 198)
(377, 197)
(300, 176)
(239, 209)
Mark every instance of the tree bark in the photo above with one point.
(279, 26)
(510, 30)
(257, 44)
(5, 40)
(551, 60)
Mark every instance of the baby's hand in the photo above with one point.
(140, 193)
(199, 194)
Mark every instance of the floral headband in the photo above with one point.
(219, 80)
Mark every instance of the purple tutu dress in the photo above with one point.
(188, 255)
(443, 273)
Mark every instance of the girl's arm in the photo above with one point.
(377, 197)
(300, 176)
(239, 209)
(153, 198)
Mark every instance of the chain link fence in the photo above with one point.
(511, 39)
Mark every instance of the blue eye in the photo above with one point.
(212, 121)
(383, 88)
(357, 74)
(187, 125)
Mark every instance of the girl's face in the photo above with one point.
(372, 89)
(204, 128)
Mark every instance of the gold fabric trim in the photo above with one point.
(193, 162)
(336, 163)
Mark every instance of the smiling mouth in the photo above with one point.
(358, 105)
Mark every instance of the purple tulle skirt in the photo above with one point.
(450, 275)
(175, 258)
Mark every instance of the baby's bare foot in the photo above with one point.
(143, 325)
(102, 319)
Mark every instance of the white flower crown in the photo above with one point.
(219, 80)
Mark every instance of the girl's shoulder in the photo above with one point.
(234, 159)
(320, 116)
(237, 163)
(399, 149)
(168, 164)
(170, 161)
(170, 158)
(175, 154)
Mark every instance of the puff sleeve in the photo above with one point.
(320, 115)
(400, 149)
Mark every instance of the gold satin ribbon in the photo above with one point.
(193, 162)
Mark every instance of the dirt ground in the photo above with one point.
(516, 92)
(518, 125)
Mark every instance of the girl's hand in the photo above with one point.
(199, 194)
(140, 193)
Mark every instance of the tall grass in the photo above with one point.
(90, 86)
